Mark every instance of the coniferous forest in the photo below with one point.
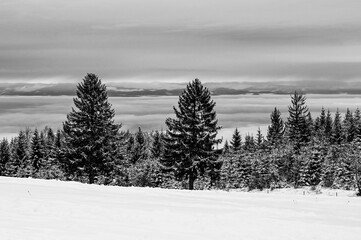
(298, 149)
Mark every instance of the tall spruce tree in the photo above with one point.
(259, 139)
(50, 136)
(4, 156)
(357, 123)
(19, 156)
(226, 148)
(322, 119)
(310, 124)
(356, 163)
(337, 129)
(90, 132)
(315, 165)
(37, 152)
(139, 149)
(328, 126)
(330, 165)
(348, 127)
(298, 129)
(249, 144)
(316, 126)
(191, 136)
(58, 139)
(236, 142)
(276, 129)
(157, 146)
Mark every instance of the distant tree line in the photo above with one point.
(302, 151)
(92, 148)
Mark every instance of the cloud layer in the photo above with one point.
(296, 42)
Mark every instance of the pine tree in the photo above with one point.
(90, 131)
(356, 165)
(37, 152)
(236, 142)
(330, 165)
(344, 171)
(244, 170)
(316, 125)
(19, 164)
(229, 172)
(259, 139)
(191, 136)
(353, 157)
(298, 129)
(55, 161)
(4, 156)
(302, 171)
(49, 136)
(226, 148)
(315, 166)
(276, 129)
(337, 129)
(130, 144)
(58, 140)
(310, 125)
(157, 146)
(348, 127)
(328, 126)
(49, 140)
(249, 144)
(322, 120)
(139, 150)
(357, 123)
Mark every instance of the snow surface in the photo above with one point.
(43, 209)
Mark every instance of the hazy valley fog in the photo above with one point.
(247, 112)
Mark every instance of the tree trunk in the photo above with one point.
(191, 181)
(91, 177)
(358, 182)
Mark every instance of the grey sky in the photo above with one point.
(300, 42)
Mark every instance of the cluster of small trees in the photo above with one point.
(301, 151)
(32, 154)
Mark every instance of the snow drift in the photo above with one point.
(43, 209)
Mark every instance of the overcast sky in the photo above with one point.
(277, 41)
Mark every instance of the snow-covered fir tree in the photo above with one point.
(249, 144)
(328, 126)
(236, 142)
(4, 156)
(329, 167)
(259, 139)
(348, 127)
(157, 145)
(226, 148)
(336, 135)
(276, 129)
(139, 151)
(298, 130)
(37, 151)
(90, 132)
(191, 136)
(315, 166)
(357, 123)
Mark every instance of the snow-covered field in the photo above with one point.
(40, 209)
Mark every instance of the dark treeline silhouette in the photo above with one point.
(299, 151)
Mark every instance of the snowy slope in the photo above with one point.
(40, 209)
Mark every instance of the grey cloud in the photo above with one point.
(124, 41)
(333, 75)
(286, 36)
